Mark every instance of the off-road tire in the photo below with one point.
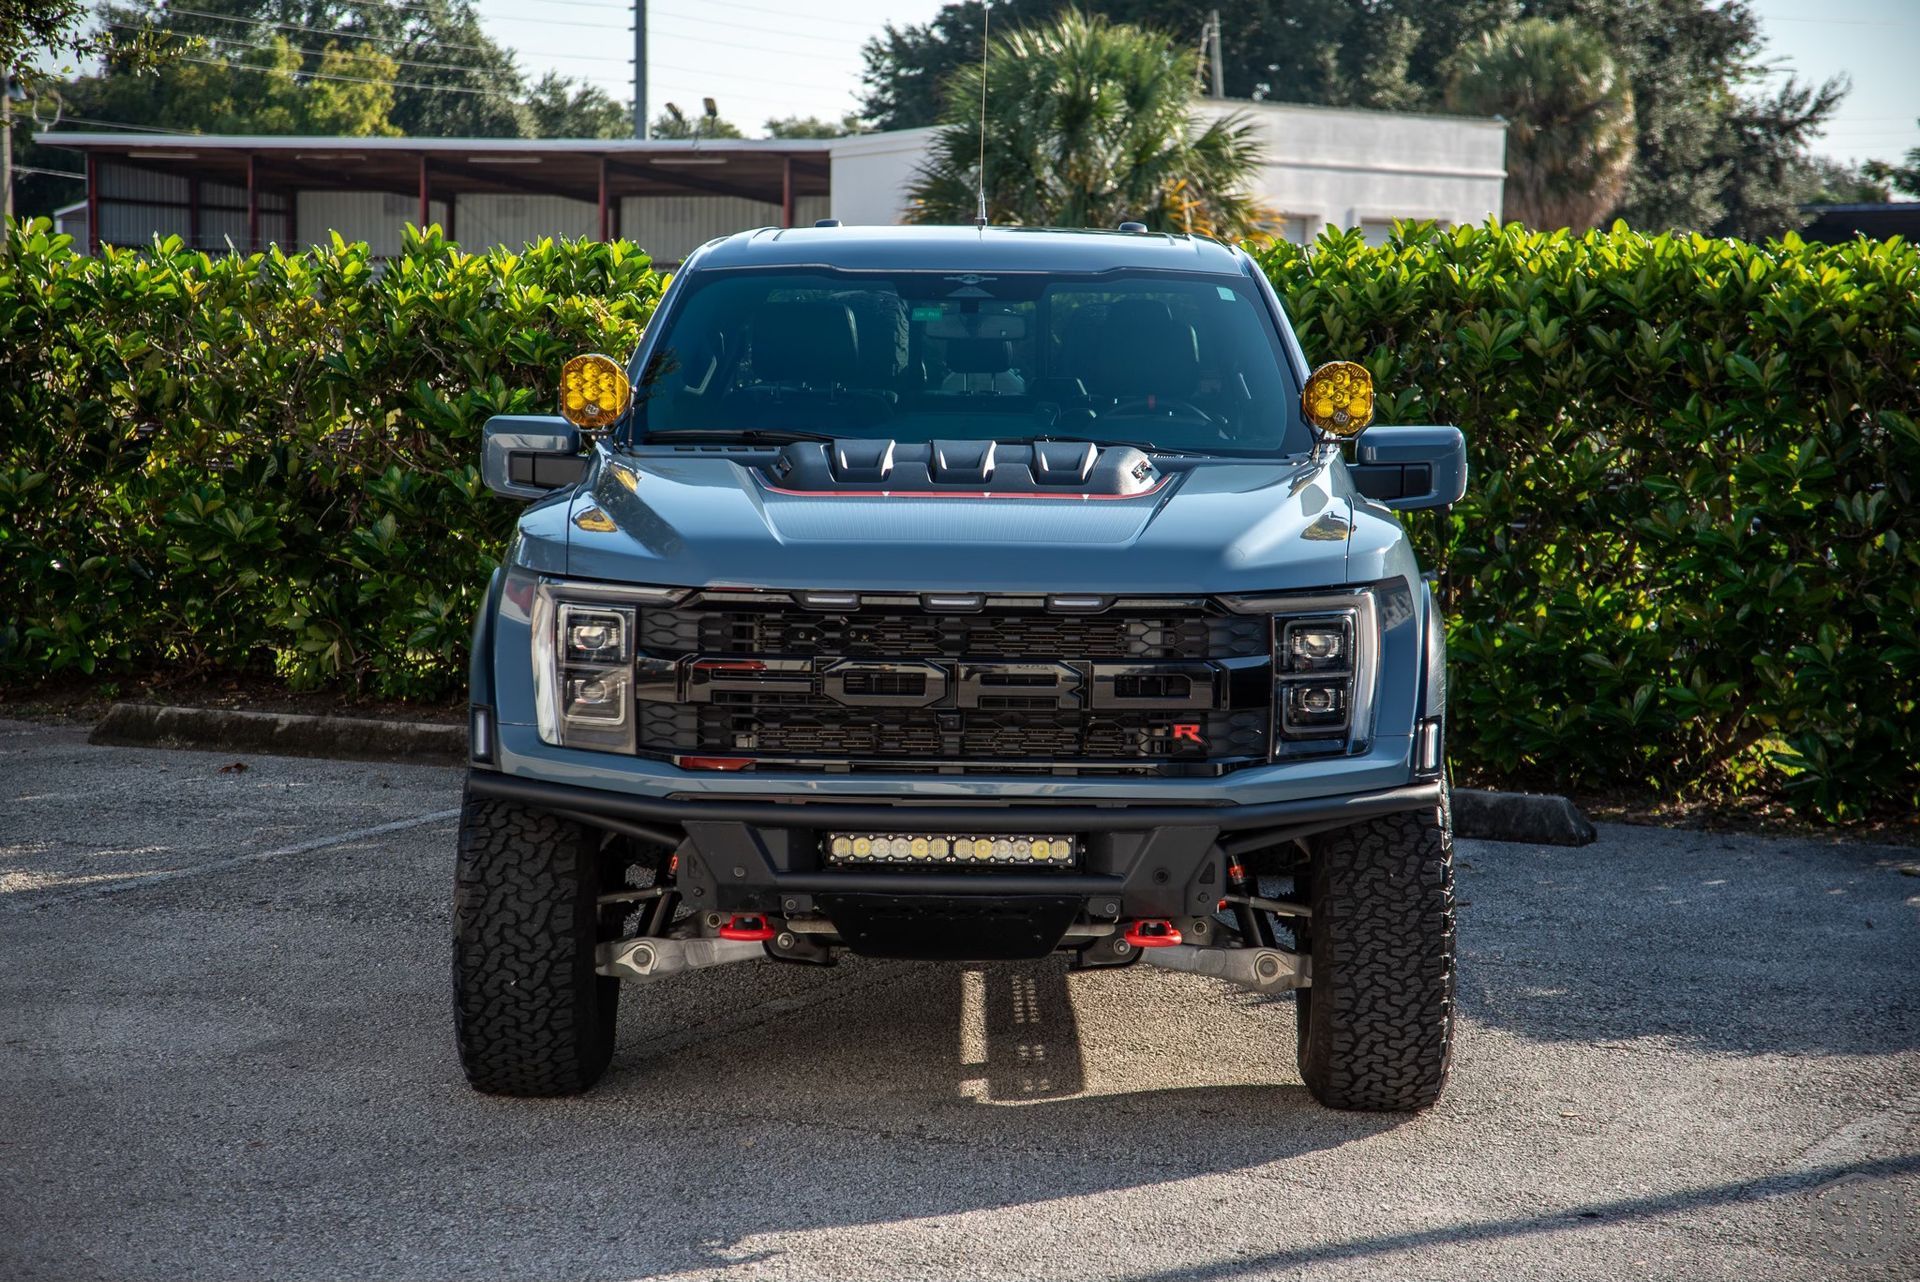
(530, 1014)
(1376, 1026)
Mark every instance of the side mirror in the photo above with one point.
(1410, 467)
(526, 456)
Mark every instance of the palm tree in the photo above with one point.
(1569, 112)
(1089, 123)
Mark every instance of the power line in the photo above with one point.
(788, 13)
(560, 22)
(231, 42)
(118, 124)
(736, 44)
(406, 84)
(759, 28)
(569, 4)
(321, 53)
(318, 31)
(354, 80)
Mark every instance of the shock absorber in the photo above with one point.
(1254, 926)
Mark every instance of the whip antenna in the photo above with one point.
(986, 26)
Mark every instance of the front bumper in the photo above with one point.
(754, 855)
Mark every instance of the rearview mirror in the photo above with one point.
(1410, 467)
(526, 456)
(992, 325)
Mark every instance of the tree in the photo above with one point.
(268, 88)
(566, 108)
(1569, 118)
(1336, 52)
(1905, 177)
(1692, 66)
(60, 28)
(1763, 144)
(675, 123)
(1699, 135)
(1835, 183)
(459, 83)
(814, 127)
(1089, 122)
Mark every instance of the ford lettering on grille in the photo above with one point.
(922, 683)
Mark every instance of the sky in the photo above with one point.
(1877, 44)
(765, 58)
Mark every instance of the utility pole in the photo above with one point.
(639, 68)
(1219, 73)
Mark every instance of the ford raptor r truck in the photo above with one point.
(962, 594)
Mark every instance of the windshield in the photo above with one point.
(1167, 360)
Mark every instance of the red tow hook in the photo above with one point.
(1152, 932)
(748, 926)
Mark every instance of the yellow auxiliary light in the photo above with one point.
(948, 848)
(1338, 398)
(594, 392)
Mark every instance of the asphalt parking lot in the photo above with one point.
(226, 1053)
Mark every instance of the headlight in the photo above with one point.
(1319, 645)
(595, 634)
(1325, 657)
(583, 668)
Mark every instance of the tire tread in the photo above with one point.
(1376, 1026)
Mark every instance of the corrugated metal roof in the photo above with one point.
(335, 143)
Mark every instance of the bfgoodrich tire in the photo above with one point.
(530, 1014)
(1376, 1026)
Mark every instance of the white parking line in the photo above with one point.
(219, 865)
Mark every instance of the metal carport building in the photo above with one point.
(238, 192)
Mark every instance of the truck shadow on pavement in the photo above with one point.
(961, 1089)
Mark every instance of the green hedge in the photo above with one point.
(1689, 554)
(1687, 558)
(271, 463)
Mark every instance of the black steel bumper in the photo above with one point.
(1139, 861)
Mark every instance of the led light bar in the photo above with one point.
(842, 848)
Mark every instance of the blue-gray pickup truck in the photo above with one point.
(962, 594)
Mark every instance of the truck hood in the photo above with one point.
(695, 520)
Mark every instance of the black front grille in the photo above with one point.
(775, 727)
(900, 634)
(772, 700)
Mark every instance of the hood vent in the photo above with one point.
(960, 468)
(963, 462)
(859, 460)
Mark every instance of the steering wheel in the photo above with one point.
(1157, 407)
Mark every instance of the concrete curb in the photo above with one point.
(1544, 819)
(1541, 819)
(147, 725)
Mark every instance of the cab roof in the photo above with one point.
(1012, 249)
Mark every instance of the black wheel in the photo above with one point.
(1376, 1024)
(530, 1014)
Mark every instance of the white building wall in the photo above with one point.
(373, 216)
(482, 219)
(1337, 167)
(1324, 167)
(871, 174)
(138, 204)
(671, 227)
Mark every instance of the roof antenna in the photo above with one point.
(986, 25)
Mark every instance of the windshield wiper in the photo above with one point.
(749, 435)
